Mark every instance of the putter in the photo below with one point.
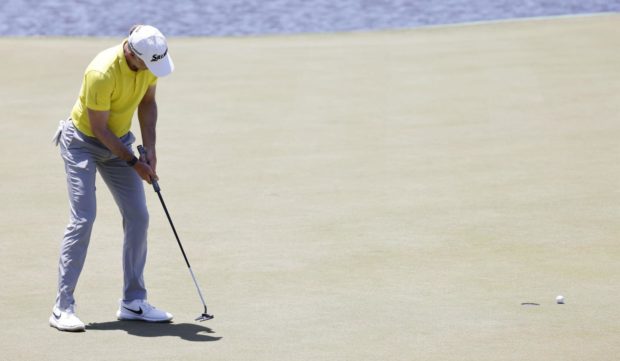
(205, 316)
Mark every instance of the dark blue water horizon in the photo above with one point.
(255, 17)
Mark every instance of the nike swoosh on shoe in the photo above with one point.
(56, 316)
(138, 312)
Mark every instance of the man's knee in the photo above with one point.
(82, 222)
(137, 216)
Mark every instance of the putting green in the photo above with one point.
(369, 196)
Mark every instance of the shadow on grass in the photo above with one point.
(186, 331)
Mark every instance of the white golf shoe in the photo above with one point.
(66, 320)
(141, 310)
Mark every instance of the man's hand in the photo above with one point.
(148, 157)
(151, 158)
(145, 171)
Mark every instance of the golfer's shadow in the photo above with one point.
(186, 331)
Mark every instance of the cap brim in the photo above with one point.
(162, 67)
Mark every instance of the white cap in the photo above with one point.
(149, 44)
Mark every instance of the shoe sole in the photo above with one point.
(122, 317)
(55, 325)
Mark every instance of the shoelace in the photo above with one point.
(146, 307)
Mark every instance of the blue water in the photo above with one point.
(253, 17)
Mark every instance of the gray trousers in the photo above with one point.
(83, 157)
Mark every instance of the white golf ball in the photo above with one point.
(559, 300)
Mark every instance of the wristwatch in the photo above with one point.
(133, 161)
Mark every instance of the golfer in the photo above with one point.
(97, 137)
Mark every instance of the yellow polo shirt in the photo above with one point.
(109, 84)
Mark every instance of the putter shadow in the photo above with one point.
(186, 331)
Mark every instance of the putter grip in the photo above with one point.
(142, 152)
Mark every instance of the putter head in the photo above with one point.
(204, 317)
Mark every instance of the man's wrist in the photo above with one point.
(133, 161)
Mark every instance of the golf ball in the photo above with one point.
(559, 300)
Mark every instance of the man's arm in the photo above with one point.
(147, 115)
(99, 126)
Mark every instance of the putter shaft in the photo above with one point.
(205, 316)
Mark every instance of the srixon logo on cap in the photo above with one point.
(157, 57)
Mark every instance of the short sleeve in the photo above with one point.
(98, 90)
